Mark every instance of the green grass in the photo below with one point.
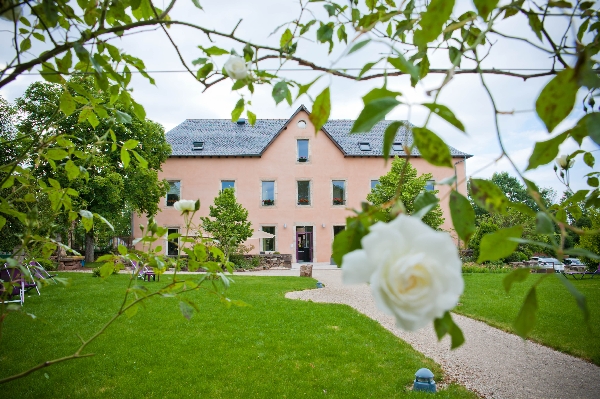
(276, 348)
(559, 322)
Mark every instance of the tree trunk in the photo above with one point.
(89, 246)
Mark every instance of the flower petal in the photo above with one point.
(356, 267)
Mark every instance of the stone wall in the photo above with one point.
(268, 261)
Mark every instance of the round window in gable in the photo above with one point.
(302, 124)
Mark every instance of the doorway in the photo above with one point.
(304, 244)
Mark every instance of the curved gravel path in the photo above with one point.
(492, 363)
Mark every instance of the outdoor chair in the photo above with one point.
(594, 273)
(144, 272)
(574, 275)
(39, 272)
(14, 284)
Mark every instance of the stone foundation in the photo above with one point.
(68, 262)
(268, 261)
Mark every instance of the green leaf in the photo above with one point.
(455, 56)
(204, 71)
(444, 112)
(546, 151)
(517, 275)
(186, 310)
(280, 92)
(388, 137)
(130, 144)
(238, 84)
(251, 117)
(342, 35)
(358, 46)
(432, 21)
(213, 50)
(445, 325)
(498, 245)
(488, 196)
(56, 154)
(592, 181)
(25, 44)
(2, 221)
(87, 219)
(521, 207)
(237, 111)
(557, 99)
(372, 113)
(378, 93)
(403, 65)
(525, 320)
(50, 74)
(432, 148)
(321, 110)
(138, 110)
(302, 89)
(122, 117)
(122, 249)
(131, 311)
(93, 119)
(106, 269)
(485, 7)
(424, 202)
(286, 39)
(543, 224)
(589, 160)
(67, 103)
(125, 158)
(143, 163)
(39, 36)
(366, 68)
(72, 170)
(325, 32)
(197, 4)
(103, 220)
(199, 61)
(463, 216)
(348, 240)
(535, 24)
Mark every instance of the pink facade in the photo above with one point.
(201, 178)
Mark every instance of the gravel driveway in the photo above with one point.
(492, 363)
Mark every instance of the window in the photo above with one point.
(374, 183)
(364, 146)
(302, 124)
(268, 244)
(227, 184)
(303, 150)
(174, 193)
(397, 146)
(268, 193)
(338, 229)
(198, 146)
(339, 192)
(430, 185)
(173, 244)
(304, 192)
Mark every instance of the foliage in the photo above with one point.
(402, 182)
(471, 267)
(590, 241)
(230, 226)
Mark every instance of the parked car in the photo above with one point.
(552, 263)
(573, 262)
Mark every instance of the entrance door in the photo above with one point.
(304, 247)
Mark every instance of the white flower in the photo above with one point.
(563, 163)
(12, 14)
(185, 206)
(414, 271)
(236, 68)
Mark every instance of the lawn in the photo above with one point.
(559, 322)
(275, 348)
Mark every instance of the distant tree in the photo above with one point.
(515, 191)
(412, 186)
(591, 242)
(230, 225)
(108, 186)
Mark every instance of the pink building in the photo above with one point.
(296, 185)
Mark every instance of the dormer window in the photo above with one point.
(198, 146)
(364, 146)
(397, 146)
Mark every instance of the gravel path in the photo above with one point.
(492, 363)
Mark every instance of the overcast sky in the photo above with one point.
(177, 96)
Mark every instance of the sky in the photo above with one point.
(177, 96)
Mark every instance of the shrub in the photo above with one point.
(47, 264)
(471, 267)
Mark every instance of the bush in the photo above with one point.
(96, 271)
(471, 267)
(241, 262)
(47, 264)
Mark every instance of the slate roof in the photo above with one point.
(222, 137)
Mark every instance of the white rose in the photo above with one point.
(236, 68)
(563, 164)
(185, 206)
(414, 271)
(12, 14)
